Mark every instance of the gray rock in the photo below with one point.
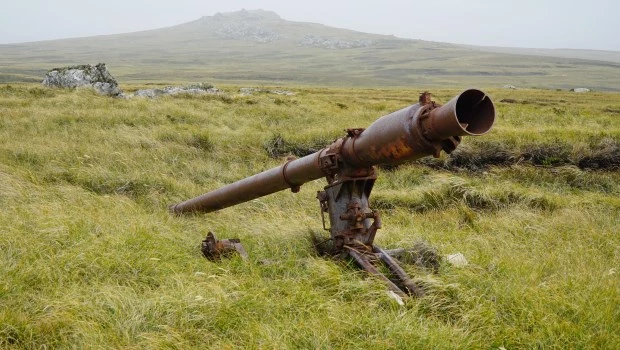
(511, 87)
(247, 33)
(333, 43)
(196, 89)
(250, 91)
(457, 260)
(97, 77)
(396, 297)
(252, 25)
(580, 90)
(282, 92)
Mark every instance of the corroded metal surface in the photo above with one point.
(214, 249)
(420, 130)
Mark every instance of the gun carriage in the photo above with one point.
(348, 165)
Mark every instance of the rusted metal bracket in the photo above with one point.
(215, 249)
(425, 98)
(294, 187)
(322, 197)
(354, 132)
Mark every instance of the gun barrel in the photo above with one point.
(413, 132)
(292, 174)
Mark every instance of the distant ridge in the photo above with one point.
(261, 47)
(596, 55)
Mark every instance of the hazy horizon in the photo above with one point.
(550, 24)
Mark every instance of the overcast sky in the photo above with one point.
(593, 24)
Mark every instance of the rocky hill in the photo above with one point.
(259, 46)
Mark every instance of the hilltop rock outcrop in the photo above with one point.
(98, 77)
(253, 25)
(333, 43)
(248, 33)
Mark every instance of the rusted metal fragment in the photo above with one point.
(215, 249)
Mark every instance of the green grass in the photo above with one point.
(90, 257)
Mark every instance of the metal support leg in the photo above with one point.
(392, 264)
(363, 261)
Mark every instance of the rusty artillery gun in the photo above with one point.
(348, 164)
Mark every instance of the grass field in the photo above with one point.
(90, 257)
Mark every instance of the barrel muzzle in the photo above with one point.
(471, 113)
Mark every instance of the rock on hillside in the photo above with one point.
(195, 89)
(266, 27)
(98, 77)
(333, 43)
(247, 32)
(250, 91)
(580, 90)
(253, 25)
